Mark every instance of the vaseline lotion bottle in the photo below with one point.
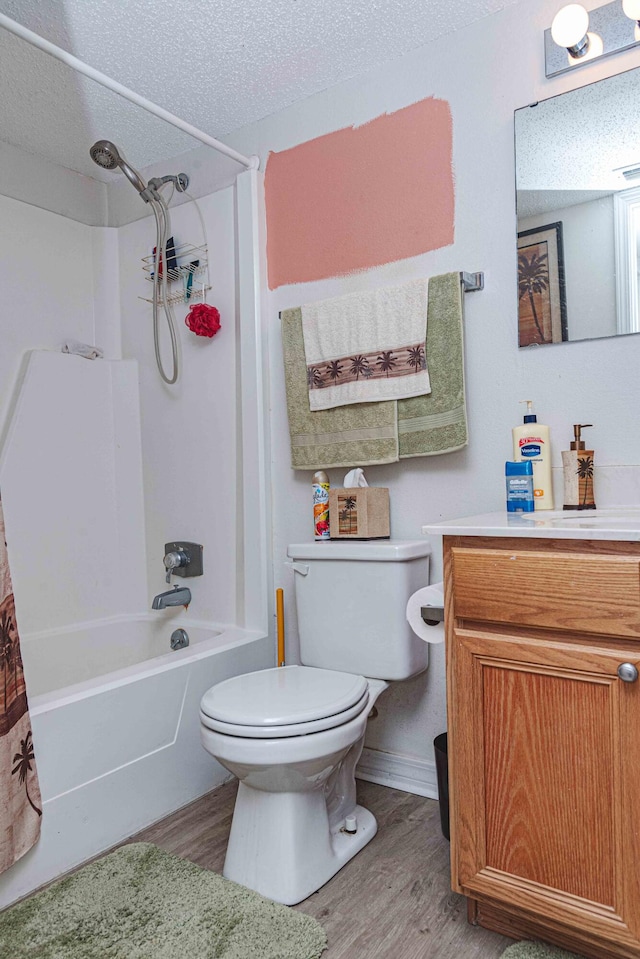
(531, 442)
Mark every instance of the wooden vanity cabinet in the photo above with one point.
(544, 738)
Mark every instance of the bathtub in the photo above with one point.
(114, 712)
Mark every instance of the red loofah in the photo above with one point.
(203, 320)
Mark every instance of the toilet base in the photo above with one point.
(281, 844)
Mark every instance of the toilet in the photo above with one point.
(293, 735)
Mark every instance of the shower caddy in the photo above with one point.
(186, 254)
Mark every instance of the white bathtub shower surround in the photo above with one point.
(71, 477)
(119, 749)
(56, 659)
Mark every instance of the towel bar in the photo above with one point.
(472, 282)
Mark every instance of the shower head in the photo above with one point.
(107, 156)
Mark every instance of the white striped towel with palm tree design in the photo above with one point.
(366, 347)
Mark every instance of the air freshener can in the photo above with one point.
(320, 488)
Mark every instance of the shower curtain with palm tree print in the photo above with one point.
(20, 802)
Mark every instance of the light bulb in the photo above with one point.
(594, 49)
(570, 25)
(631, 9)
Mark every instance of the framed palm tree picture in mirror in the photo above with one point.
(542, 302)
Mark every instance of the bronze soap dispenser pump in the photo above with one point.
(577, 465)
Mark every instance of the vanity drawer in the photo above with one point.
(594, 593)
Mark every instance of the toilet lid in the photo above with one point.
(285, 696)
(292, 729)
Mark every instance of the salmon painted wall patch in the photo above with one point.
(362, 196)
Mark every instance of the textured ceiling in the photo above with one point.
(219, 66)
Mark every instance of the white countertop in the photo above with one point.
(621, 523)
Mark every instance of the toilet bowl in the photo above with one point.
(293, 735)
(296, 771)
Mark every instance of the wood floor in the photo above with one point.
(392, 901)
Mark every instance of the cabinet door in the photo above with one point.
(544, 740)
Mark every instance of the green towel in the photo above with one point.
(367, 434)
(437, 423)
(363, 434)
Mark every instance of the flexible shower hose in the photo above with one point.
(161, 214)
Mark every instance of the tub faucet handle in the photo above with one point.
(182, 559)
(174, 560)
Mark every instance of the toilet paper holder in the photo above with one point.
(432, 615)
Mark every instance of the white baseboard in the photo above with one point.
(399, 772)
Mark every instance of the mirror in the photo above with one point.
(578, 213)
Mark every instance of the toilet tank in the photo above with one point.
(351, 600)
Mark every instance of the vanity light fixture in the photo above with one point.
(570, 30)
(576, 36)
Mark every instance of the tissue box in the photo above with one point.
(359, 512)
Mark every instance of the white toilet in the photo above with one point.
(293, 735)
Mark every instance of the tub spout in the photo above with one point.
(178, 596)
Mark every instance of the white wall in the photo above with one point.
(71, 481)
(46, 290)
(485, 73)
(40, 182)
(588, 237)
(69, 428)
(189, 431)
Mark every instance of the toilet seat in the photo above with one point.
(284, 702)
(291, 729)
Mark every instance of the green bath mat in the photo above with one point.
(142, 903)
(536, 950)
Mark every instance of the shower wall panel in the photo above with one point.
(46, 277)
(71, 480)
(190, 431)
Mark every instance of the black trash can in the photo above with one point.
(442, 775)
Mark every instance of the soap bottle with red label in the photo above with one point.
(531, 443)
